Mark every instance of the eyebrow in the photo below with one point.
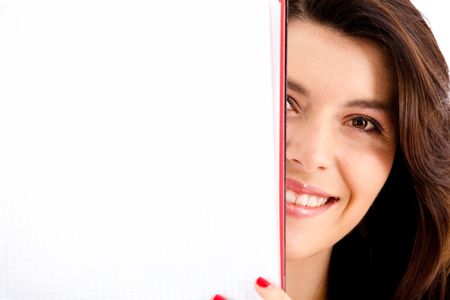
(361, 103)
(371, 104)
(297, 87)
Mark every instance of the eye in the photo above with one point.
(365, 123)
(291, 105)
(288, 105)
(362, 123)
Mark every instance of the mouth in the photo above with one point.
(306, 200)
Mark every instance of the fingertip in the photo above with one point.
(261, 282)
(267, 290)
(218, 297)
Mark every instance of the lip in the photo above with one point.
(301, 188)
(299, 211)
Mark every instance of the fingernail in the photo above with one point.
(218, 297)
(262, 282)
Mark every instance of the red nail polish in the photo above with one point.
(218, 297)
(262, 282)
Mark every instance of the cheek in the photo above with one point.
(291, 133)
(364, 172)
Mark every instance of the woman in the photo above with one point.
(367, 123)
(367, 154)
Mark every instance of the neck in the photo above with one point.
(306, 279)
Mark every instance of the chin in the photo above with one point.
(300, 247)
(298, 250)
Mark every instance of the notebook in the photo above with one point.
(141, 148)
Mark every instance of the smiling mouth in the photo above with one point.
(307, 200)
(307, 196)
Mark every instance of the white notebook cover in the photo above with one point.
(140, 148)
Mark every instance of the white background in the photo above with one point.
(436, 12)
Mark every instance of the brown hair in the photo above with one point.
(422, 166)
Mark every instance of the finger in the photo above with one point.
(268, 291)
(218, 297)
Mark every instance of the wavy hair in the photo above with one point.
(402, 245)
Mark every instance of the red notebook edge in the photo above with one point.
(283, 27)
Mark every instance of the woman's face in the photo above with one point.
(340, 141)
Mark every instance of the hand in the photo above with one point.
(268, 291)
(265, 290)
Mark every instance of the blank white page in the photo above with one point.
(137, 149)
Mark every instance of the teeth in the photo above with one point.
(304, 199)
(312, 201)
(322, 201)
(290, 196)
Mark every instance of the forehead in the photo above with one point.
(327, 62)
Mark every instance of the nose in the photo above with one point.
(309, 145)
